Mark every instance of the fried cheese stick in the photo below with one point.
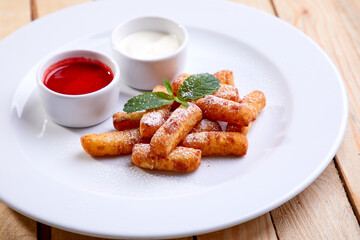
(153, 119)
(225, 91)
(217, 143)
(123, 120)
(233, 112)
(225, 77)
(110, 143)
(180, 159)
(206, 125)
(178, 125)
(232, 127)
(178, 81)
(255, 98)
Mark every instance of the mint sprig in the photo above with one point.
(147, 101)
(168, 87)
(194, 87)
(198, 86)
(171, 92)
(181, 101)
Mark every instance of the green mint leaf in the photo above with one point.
(197, 86)
(147, 101)
(181, 101)
(168, 87)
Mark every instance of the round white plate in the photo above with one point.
(45, 174)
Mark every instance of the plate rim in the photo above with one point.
(301, 187)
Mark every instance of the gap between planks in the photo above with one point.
(34, 11)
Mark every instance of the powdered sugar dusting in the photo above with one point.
(180, 123)
(154, 118)
(227, 92)
(206, 125)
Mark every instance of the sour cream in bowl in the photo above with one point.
(149, 49)
(149, 44)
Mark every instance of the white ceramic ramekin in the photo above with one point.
(145, 74)
(79, 110)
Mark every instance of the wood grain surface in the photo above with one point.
(348, 156)
(13, 15)
(15, 226)
(328, 208)
(260, 228)
(44, 7)
(334, 24)
(321, 211)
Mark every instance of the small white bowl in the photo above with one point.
(79, 110)
(145, 74)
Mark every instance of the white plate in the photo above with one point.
(45, 174)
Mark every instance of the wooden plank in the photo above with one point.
(350, 15)
(57, 234)
(63, 235)
(322, 211)
(334, 24)
(41, 8)
(260, 228)
(348, 156)
(44, 7)
(263, 5)
(14, 226)
(345, 157)
(13, 15)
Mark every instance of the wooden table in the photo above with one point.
(330, 207)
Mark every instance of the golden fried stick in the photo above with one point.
(180, 159)
(123, 120)
(232, 127)
(110, 143)
(159, 88)
(255, 98)
(225, 77)
(233, 112)
(154, 118)
(217, 143)
(178, 81)
(178, 125)
(225, 110)
(206, 125)
(225, 91)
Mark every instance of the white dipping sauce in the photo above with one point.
(149, 44)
